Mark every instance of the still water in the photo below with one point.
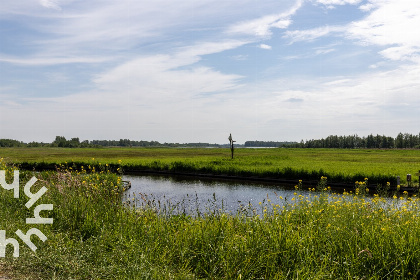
(204, 195)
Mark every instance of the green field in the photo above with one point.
(317, 236)
(339, 165)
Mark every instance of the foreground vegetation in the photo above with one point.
(318, 236)
(339, 165)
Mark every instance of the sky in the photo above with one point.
(197, 70)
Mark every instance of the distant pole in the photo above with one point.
(231, 144)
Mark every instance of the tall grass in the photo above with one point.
(315, 236)
(339, 165)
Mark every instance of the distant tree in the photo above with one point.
(60, 141)
(399, 141)
(11, 143)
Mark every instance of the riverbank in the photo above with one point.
(319, 235)
(339, 165)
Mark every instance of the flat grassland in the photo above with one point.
(319, 235)
(339, 165)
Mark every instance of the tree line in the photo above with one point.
(62, 142)
(402, 141)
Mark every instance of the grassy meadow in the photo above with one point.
(317, 236)
(339, 165)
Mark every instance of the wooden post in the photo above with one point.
(409, 180)
(231, 144)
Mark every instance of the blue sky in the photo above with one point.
(195, 71)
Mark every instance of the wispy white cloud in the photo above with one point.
(51, 4)
(161, 76)
(323, 51)
(338, 2)
(265, 47)
(391, 25)
(239, 57)
(44, 61)
(92, 28)
(261, 27)
(312, 34)
(367, 7)
(331, 4)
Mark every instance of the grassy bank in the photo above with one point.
(312, 237)
(339, 165)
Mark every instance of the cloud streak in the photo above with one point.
(261, 27)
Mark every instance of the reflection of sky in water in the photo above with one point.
(193, 193)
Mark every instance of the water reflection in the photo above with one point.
(203, 195)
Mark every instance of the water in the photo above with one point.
(203, 195)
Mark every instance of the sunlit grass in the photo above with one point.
(314, 235)
(339, 165)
